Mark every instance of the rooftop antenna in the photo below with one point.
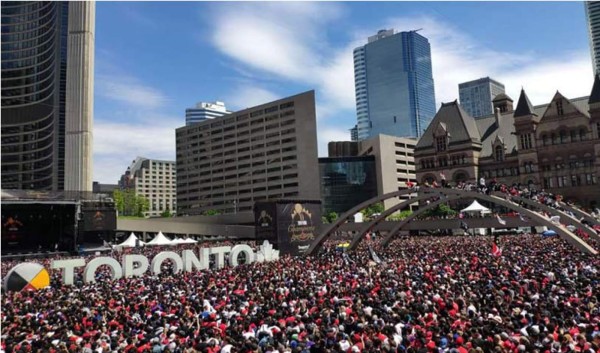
(416, 30)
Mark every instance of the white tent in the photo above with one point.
(476, 207)
(130, 242)
(160, 239)
(189, 241)
(178, 241)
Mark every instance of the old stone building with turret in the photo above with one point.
(554, 146)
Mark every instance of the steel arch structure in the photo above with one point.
(450, 195)
(562, 232)
(332, 227)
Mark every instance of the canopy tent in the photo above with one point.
(189, 241)
(549, 233)
(131, 242)
(178, 241)
(160, 239)
(476, 207)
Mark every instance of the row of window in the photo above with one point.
(429, 163)
(564, 136)
(586, 163)
(501, 172)
(573, 181)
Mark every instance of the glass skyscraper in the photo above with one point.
(394, 85)
(476, 96)
(592, 11)
(47, 95)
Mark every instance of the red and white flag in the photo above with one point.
(496, 251)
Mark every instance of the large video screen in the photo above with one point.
(99, 220)
(37, 227)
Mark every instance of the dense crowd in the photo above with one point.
(429, 294)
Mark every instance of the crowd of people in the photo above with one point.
(424, 294)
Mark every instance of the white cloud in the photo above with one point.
(116, 144)
(129, 91)
(248, 95)
(457, 57)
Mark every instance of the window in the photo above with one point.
(443, 161)
(559, 107)
(545, 139)
(563, 137)
(499, 153)
(525, 140)
(582, 134)
(441, 143)
(575, 180)
(573, 135)
(554, 139)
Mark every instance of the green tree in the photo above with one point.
(119, 201)
(373, 209)
(142, 205)
(331, 217)
(211, 213)
(130, 204)
(398, 216)
(441, 210)
(166, 213)
(324, 220)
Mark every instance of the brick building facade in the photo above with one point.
(554, 146)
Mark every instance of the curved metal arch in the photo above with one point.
(360, 236)
(370, 225)
(554, 212)
(586, 216)
(564, 233)
(326, 232)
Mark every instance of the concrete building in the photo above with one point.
(47, 95)
(592, 12)
(204, 111)
(260, 153)
(394, 161)
(156, 181)
(476, 96)
(554, 146)
(393, 85)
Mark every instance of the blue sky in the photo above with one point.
(154, 59)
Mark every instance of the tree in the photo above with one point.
(441, 210)
(331, 217)
(166, 213)
(399, 215)
(373, 209)
(211, 213)
(130, 204)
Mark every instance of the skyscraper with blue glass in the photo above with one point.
(394, 85)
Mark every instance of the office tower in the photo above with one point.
(155, 180)
(204, 111)
(261, 153)
(592, 11)
(476, 96)
(394, 85)
(47, 95)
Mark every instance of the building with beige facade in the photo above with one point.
(261, 153)
(554, 146)
(156, 181)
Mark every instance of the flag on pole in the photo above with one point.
(500, 220)
(496, 251)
